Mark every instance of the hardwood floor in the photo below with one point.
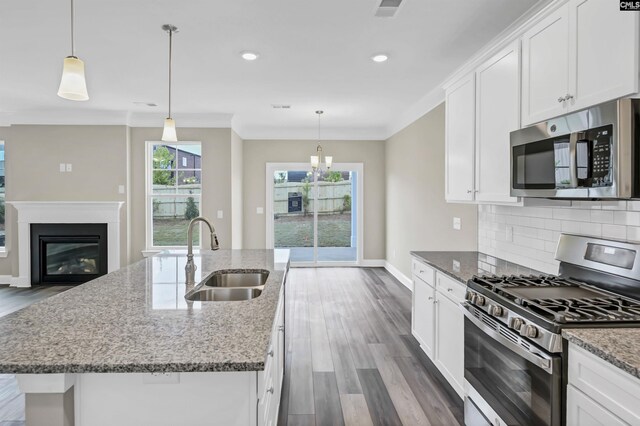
(11, 300)
(351, 359)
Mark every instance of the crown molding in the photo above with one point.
(415, 111)
(310, 133)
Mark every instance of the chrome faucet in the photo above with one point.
(190, 268)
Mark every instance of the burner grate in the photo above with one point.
(562, 300)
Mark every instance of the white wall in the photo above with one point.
(536, 229)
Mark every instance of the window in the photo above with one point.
(2, 197)
(173, 193)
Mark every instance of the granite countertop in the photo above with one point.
(463, 265)
(137, 320)
(618, 346)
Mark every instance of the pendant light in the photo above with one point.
(73, 85)
(169, 132)
(316, 160)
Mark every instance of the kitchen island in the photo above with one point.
(128, 349)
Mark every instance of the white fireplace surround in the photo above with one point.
(64, 212)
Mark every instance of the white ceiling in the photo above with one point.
(314, 54)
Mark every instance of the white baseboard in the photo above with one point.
(406, 281)
(23, 282)
(373, 263)
(6, 279)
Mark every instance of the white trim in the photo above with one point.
(406, 281)
(308, 133)
(64, 212)
(6, 279)
(270, 168)
(4, 252)
(373, 263)
(427, 103)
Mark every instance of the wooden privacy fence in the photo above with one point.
(331, 196)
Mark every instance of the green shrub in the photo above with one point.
(191, 212)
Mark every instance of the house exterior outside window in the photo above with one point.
(173, 192)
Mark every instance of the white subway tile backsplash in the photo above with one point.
(536, 230)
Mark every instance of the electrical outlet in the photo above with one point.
(161, 379)
(457, 223)
(63, 167)
(220, 214)
(259, 210)
(456, 266)
(69, 168)
(120, 189)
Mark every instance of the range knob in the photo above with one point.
(480, 300)
(515, 323)
(470, 296)
(529, 330)
(494, 310)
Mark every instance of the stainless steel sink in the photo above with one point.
(248, 278)
(208, 294)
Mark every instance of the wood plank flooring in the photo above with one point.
(351, 359)
(11, 300)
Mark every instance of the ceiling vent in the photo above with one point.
(388, 8)
(278, 106)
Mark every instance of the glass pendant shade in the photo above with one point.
(328, 160)
(169, 132)
(73, 85)
(315, 161)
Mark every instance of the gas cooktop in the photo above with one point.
(561, 300)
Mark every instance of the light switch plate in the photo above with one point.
(63, 167)
(220, 214)
(259, 210)
(120, 189)
(457, 223)
(69, 167)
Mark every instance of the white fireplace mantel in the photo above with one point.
(65, 212)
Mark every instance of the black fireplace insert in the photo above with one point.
(68, 253)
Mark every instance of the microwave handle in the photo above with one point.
(573, 155)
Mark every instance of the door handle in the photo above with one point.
(561, 99)
(573, 164)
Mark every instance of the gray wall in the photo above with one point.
(371, 153)
(417, 216)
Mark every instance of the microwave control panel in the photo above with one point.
(599, 140)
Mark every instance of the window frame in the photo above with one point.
(4, 250)
(149, 195)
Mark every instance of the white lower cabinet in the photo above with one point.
(600, 394)
(270, 380)
(449, 347)
(437, 321)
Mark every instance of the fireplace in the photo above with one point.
(68, 253)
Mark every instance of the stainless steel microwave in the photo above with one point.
(592, 154)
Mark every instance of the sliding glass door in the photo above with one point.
(315, 215)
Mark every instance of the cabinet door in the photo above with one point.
(497, 114)
(449, 354)
(584, 411)
(603, 52)
(545, 68)
(422, 321)
(460, 140)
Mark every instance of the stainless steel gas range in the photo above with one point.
(515, 358)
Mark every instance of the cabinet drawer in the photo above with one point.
(424, 272)
(614, 389)
(451, 288)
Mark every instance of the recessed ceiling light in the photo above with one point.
(249, 56)
(379, 58)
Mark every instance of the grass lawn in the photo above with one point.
(173, 232)
(297, 231)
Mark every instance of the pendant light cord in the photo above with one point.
(170, 56)
(73, 46)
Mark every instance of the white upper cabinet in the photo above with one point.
(497, 114)
(545, 67)
(603, 50)
(460, 140)
(583, 54)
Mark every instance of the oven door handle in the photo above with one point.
(536, 358)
